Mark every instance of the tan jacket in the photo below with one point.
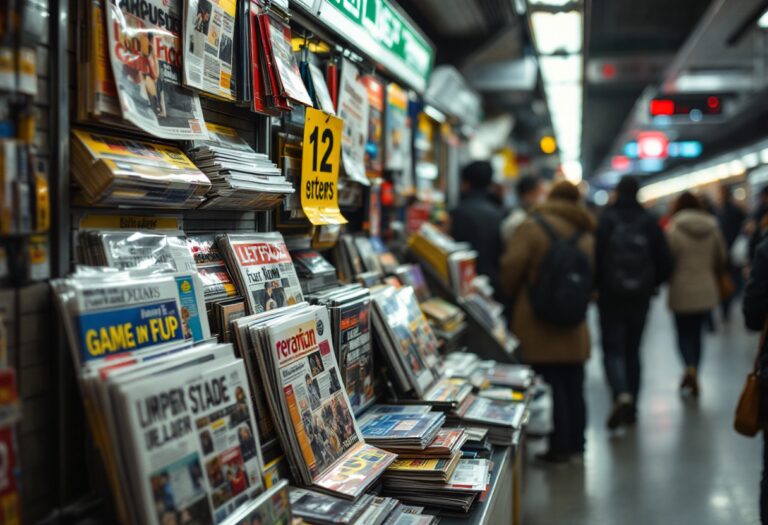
(699, 253)
(542, 342)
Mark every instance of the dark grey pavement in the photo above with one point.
(682, 465)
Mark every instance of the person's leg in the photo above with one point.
(764, 483)
(578, 409)
(613, 335)
(685, 327)
(698, 322)
(558, 438)
(635, 328)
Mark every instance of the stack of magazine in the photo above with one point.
(118, 171)
(444, 317)
(166, 416)
(263, 270)
(310, 408)
(315, 273)
(501, 418)
(350, 311)
(240, 177)
(406, 429)
(134, 249)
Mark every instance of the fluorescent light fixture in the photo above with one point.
(751, 160)
(573, 171)
(561, 69)
(762, 21)
(557, 32)
(551, 3)
(565, 110)
(736, 167)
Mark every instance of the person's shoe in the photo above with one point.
(690, 383)
(622, 412)
(552, 458)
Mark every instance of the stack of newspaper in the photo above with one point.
(167, 417)
(262, 269)
(350, 311)
(310, 409)
(240, 177)
(410, 428)
(468, 479)
(118, 171)
(134, 249)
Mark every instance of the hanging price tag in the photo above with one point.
(320, 168)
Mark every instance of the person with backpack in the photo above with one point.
(699, 255)
(632, 260)
(547, 270)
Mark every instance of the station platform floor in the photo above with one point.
(682, 464)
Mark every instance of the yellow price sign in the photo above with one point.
(320, 168)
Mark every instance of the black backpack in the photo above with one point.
(629, 266)
(563, 288)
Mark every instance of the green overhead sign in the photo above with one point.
(378, 30)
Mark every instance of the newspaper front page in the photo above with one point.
(209, 31)
(146, 55)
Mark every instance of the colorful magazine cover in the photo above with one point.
(353, 110)
(209, 30)
(145, 50)
(356, 353)
(374, 146)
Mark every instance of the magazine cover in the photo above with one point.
(398, 426)
(353, 110)
(374, 146)
(322, 508)
(356, 353)
(102, 82)
(494, 412)
(398, 131)
(273, 507)
(209, 30)
(145, 52)
(125, 249)
(210, 264)
(265, 270)
(323, 96)
(194, 438)
(286, 67)
(118, 314)
(422, 335)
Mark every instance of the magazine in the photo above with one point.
(374, 147)
(108, 314)
(127, 249)
(401, 430)
(311, 409)
(101, 99)
(447, 442)
(210, 264)
(193, 437)
(353, 109)
(323, 96)
(209, 30)
(263, 270)
(273, 507)
(286, 69)
(322, 508)
(145, 52)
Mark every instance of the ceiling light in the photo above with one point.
(551, 3)
(762, 21)
(751, 160)
(557, 32)
(561, 69)
(572, 171)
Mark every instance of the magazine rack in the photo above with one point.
(477, 332)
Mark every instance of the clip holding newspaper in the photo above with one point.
(310, 407)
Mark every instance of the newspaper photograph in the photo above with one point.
(353, 110)
(194, 438)
(146, 56)
(266, 272)
(209, 31)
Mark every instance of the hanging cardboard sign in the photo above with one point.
(320, 168)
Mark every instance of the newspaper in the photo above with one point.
(212, 268)
(353, 109)
(209, 31)
(107, 315)
(197, 454)
(263, 269)
(126, 249)
(145, 52)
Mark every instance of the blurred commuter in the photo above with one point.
(530, 193)
(755, 315)
(698, 251)
(759, 219)
(477, 220)
(556, 350)
(632, 260)
(731, 218)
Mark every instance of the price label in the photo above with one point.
(320, 168)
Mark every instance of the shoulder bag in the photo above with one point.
(748, 420)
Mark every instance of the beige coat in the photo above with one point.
(542, 342)
(699, 254)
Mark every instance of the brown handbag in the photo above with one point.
(725, 286)
(747, 419)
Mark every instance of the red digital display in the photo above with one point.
(662, 106)
(694, 106)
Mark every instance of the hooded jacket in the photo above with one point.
(542, 342)
(699, 254)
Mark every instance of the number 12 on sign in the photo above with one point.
(320, 168)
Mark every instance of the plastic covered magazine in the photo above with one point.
(263, 269)
(119, 313)
(311, 408)
(129, 249)
(286, 68)
(209, 30)
(194, 443)
(353, 109)
(145, 50)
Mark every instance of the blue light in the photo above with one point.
(686, 149)
(631, 150)
(650, 165)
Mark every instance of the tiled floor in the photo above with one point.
(682, 465)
